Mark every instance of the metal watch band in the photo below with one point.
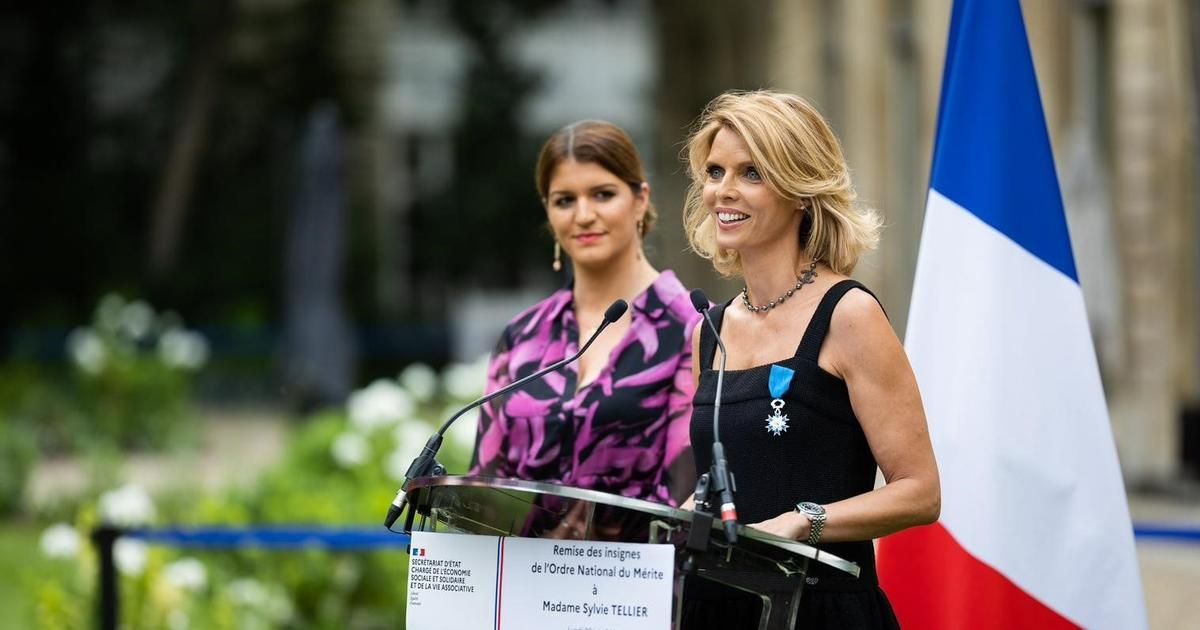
(814, 532)
(815, 514)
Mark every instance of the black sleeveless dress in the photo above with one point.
(821, 457)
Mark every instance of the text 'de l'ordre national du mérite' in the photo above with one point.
(489, 582)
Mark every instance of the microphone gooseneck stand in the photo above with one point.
(718, 483)
(426, 464)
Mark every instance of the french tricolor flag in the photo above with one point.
(1035, 529)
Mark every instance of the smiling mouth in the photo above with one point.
(729, 218)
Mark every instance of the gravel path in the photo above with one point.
(1170, 570)
(235, 447)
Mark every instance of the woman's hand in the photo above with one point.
(790, 525)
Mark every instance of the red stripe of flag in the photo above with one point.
(934, 583)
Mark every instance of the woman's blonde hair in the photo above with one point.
(797, 155)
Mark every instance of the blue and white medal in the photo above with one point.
(779, 383)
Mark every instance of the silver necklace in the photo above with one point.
(806, 277)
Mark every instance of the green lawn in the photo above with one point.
(22, 567)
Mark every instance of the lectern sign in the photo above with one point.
(489, 583)
(452, 581)
(583, 584)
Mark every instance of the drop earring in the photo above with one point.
(557, 264)
(641, 233)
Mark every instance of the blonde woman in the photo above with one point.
(818, 392)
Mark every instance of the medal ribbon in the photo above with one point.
(780, 381)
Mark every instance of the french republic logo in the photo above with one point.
(418, 551)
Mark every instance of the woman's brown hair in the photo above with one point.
(599, 142)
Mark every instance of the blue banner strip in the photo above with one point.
(376, 537)
(1174, 533)
(273, 537)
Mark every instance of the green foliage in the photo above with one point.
(17, 455)
(35, 401)
(128, 386)
(26, 573)
(133, 373)
(340, 468)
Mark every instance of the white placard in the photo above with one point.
(584, 585)
(461, 582)
(452, 582)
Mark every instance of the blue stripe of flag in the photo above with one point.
(992, 154)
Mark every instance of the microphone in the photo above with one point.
(426, 463)
(722, 480)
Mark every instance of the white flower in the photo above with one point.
(420, 380)
(130, 556)
(346, 573)
(127, 505)
(397, 464)
(247, 592)
(380, 404)
(87, 350)
(108, 312)
(187, 574)
(270, 602)
(461, 434)
(466, 381)
(410, 439)
(60, 541)
(278, 607)
(470, 417)
(136, 319)
(349, 449)
(183, 349)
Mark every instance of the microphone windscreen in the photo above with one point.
(699, 300)
(615, 311)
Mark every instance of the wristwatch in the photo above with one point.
(816, 518)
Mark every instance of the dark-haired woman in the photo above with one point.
(616, 420)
